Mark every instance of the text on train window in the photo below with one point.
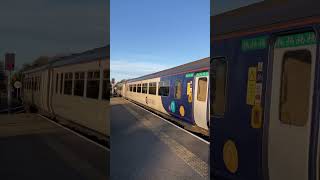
(177, 89)
(139, 88)
(295, 87)
(145, 88)
(164, 88)
(79, 84)
(202, 89)
(93, 84)
(218, 74)
(68, 77)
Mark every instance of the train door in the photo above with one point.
(201, 99)
(290, 116)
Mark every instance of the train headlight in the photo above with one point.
(230, 156)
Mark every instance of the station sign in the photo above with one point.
(9, 61)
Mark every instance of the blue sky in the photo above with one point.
(151, 35)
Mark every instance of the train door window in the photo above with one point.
(145, 88)
(139, 88)
(295, 87)
(134, 88)
(202, 89)
(93, 84)
(61, 83)
(57, 79)
(153, 88)
(218, 86)
(79, 84)
(106, 85)
(164, 88)
(177, 89)
(68, 77)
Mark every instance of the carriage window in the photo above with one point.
(202, 89)
(93, 84)
(79, 84)
(295, 87)
(106, 85)
(57, 79)
(139, 88)
(218, 74)
(153, 88)
(145, 88)
(40, 83)
(164, 88)
(177, 89)
(134, 88)
(68, 77)
(61, 83)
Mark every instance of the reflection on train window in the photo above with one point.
(177, 89)
(164, 88)
(93, 84)
(79, 84)
(61, 83)
(57, 79)
(68, 83)
(202, 89)
(295, 87)
(139, 88)
(218, 88)
(153, 88)
(106, 85)
(145, 88)
(134, 88)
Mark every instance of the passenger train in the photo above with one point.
(179, 93)
(265, 92)
(73, 90)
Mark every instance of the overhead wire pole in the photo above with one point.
(9, 91)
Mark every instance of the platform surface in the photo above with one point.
(31, 147)
(144, 146)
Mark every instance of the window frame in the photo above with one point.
(159, 86)
(284, 60)
(175, 89)
(212, 85)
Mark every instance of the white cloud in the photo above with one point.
(125, 69)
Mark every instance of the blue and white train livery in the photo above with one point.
(179, 93)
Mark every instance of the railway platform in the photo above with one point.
(146, 146)
(33, 147)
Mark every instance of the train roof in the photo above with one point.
(185, 68)
(87, 56)
(261, 14)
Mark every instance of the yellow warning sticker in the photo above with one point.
(256, 117)
(252, 74)
(251, 85)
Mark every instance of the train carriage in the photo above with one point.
(180, 92)
(73, 90)
(265, 92)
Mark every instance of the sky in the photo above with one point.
(151, 35)
(33, 28)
